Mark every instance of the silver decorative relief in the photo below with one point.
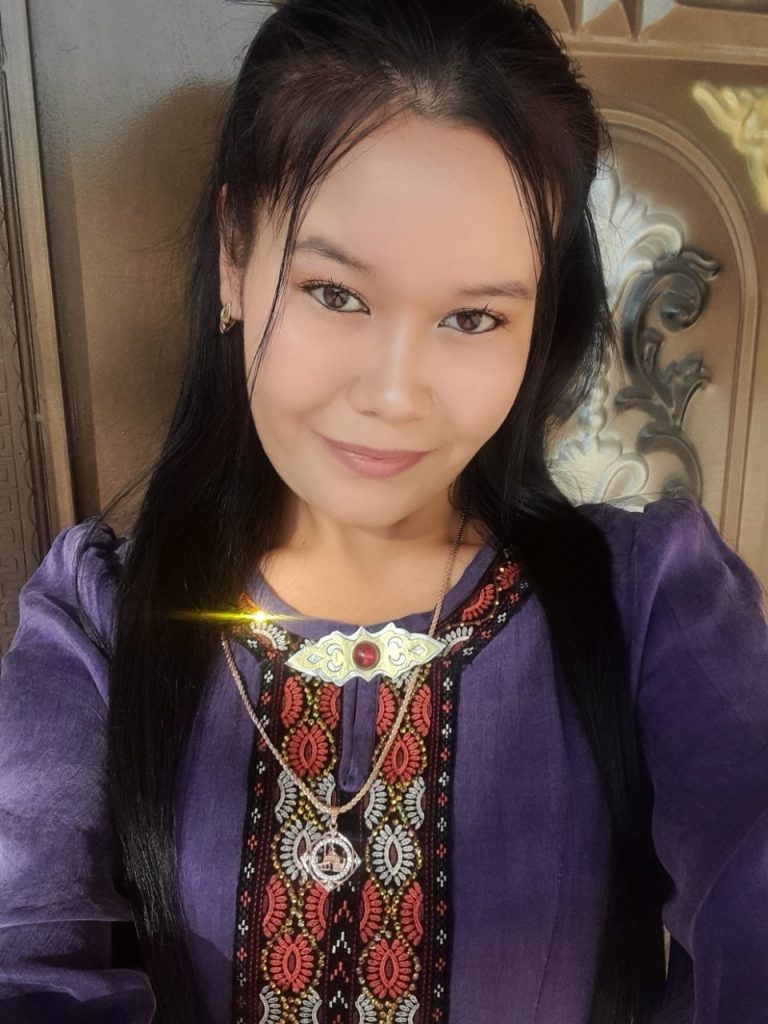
(627, 444)
(676, 286)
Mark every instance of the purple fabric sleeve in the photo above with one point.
(58, 848)
(702, 711)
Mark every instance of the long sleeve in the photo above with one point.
(702, 706)
(58, 846)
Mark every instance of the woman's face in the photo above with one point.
(420, 226)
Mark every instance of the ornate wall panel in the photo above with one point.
(680, 260)
(685, 90)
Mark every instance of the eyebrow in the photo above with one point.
(322, 247)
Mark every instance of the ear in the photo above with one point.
(230, 278)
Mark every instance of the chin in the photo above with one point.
(373, 511)
(369, 517)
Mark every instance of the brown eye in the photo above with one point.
(333, 296)
(468, 320)
(336, 300)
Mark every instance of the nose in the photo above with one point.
(391, 379)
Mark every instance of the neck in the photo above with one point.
(357, 574)
(361, 547)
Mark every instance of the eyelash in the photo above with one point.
(309, 286)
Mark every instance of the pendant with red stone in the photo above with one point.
(365, 654)
(390, 651)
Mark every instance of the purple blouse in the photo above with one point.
(493, 865)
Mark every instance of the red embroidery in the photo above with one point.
(291, 962)
(370, 919)
(389, 969)
(292, 701)
(403, 760)
(275, 906)
(328, 698)
(420, 710)
(508, 575)
(245, 604)
(315, 910)
(480, 605)
(307, 751)
(387, 709)
(411, 914)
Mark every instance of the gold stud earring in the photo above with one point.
(226, 320)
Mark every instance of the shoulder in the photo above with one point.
(667, 537)
(677, 581)
(693, 609)
(75, 583)
(664, 520)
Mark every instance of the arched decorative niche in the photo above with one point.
(671, 413)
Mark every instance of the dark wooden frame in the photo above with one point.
(36, 497)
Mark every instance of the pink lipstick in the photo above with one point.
(373, 462)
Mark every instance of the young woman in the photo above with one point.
(363, 721)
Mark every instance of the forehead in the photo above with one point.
(421, 199)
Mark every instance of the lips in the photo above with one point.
(376, 453)
(373, 462)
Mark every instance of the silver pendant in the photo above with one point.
(390, 651)
(330, 860)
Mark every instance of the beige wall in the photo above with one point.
(127, 96)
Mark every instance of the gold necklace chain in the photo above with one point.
(331, 810)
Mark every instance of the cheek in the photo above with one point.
(294, 377)
(484, 390)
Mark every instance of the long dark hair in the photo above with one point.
(317, 78)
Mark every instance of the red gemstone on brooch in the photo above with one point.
(365, 654)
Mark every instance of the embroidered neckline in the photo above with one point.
(310, 627)
(378, 947)
(469, 617)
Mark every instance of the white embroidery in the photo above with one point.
(309, 1008)
(407, 1011)
(276, 636)
(289, 795)
(298, 837)
(377, 804)
(270, 1003)
(455, 636)
(366, 1011)
(413, 801)
(393, 855)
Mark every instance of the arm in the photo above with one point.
(702, 707)
(59, 854)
